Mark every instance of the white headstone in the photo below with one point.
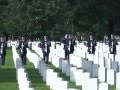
(78, 75)
(95, 70)
(53, 81)
(68, 69)
(107, 63)
(103, 86)
(64, 85)
(111, 77)
(60, 62)
(72, 89)
(44, 72)
(85, 79)
(48, 76)
(64, 64)
(91, 57)
(87, 65)
(101, 62)
(115, 66)
(118, 81)
(72, 74)
(111, 56)
(93, 84)
(102, 74)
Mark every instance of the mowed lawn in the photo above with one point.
(8, 73)
(35, 77)
(8, 76)
(71, 84)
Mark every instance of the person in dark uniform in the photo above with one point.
(69, 43)
(20, 43)
(91, 44)
(112, 44)
(2, 50)
(45, 46)
(72, 39)
(106, 39)
(23, 44)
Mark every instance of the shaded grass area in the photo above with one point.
(63, 75)
(35, 78)
(111, 87)
(72, 84)
(8, 73)
(8, 76)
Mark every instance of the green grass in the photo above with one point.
(8, 76)
(71, 84)
(111, 87)
(8, 73)
(66, 78)
(35, 77)
(63, 75)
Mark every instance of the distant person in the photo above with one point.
(69, 43)
(2, 50)
(91, 44)
(106, 39)
(118, 38)
(45, 46)
(72, 39)
(23, 44)
(112, 44)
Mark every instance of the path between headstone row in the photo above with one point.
(36, 79)
(67, 78)
(8, 73)
(62, 75)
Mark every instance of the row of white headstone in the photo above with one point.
(79, 76)
(105, 75)
(22, 77)
(51, 78)
(109, 77)
(68, 69)
(111, 67)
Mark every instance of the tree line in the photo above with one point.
(35, 18)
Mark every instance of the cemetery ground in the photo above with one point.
(66, 78)
(8, 73)
(8, 76)
(35, 78)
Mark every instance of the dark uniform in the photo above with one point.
(45, 46)
(91, 44)
(112, 46)
(68, 46)
(23, 45)
(72, 45)
(3, 52)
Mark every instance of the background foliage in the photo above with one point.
(35, 18)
